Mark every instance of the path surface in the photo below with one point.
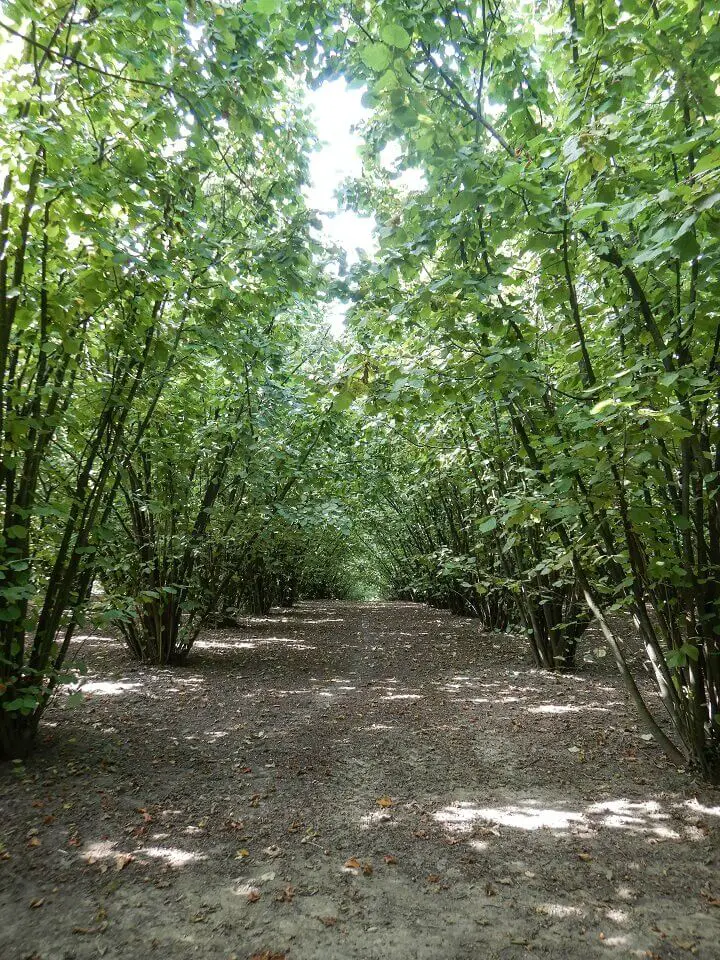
(353, 781)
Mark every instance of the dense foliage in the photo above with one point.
(544, 314)
(527, 429)
(155, 248)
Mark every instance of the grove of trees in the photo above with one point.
(522, 422)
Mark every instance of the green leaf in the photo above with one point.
(376, 56)
(343, 400)
(395, 36)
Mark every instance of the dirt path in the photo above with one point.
(353, 781)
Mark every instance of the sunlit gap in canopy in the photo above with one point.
(337, 112)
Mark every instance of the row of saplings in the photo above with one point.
(553, 615)
(550, 610)
(160, 624)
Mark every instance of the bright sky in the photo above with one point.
(337, 110)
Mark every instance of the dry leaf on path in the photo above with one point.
(353, 864)
(385, 801)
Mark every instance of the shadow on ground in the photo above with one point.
(353, 781)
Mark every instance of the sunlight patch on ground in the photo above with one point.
(619, 941)
(618, 916)
(223, 645)
(270, 619)
(375, 817)
(459, 684)
(642, 818)
(698, 807)
(173, 856)
(252, 643)
(560, 910)
(108, 850)
(92, 638)
(463, 817)
(325, 620)
(246, 889)
(633, 816)
(565, 708)
(479, 845)
(109, 688)
(98, 851)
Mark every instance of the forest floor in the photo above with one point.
(370, 781)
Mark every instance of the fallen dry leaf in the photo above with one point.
(34, 904)
(253, 896)
(353, 864)
(385, 801)
(710, 898)
(584, 856)
(367, 869)
(122, 860)
(388, 858)
(286, 896)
